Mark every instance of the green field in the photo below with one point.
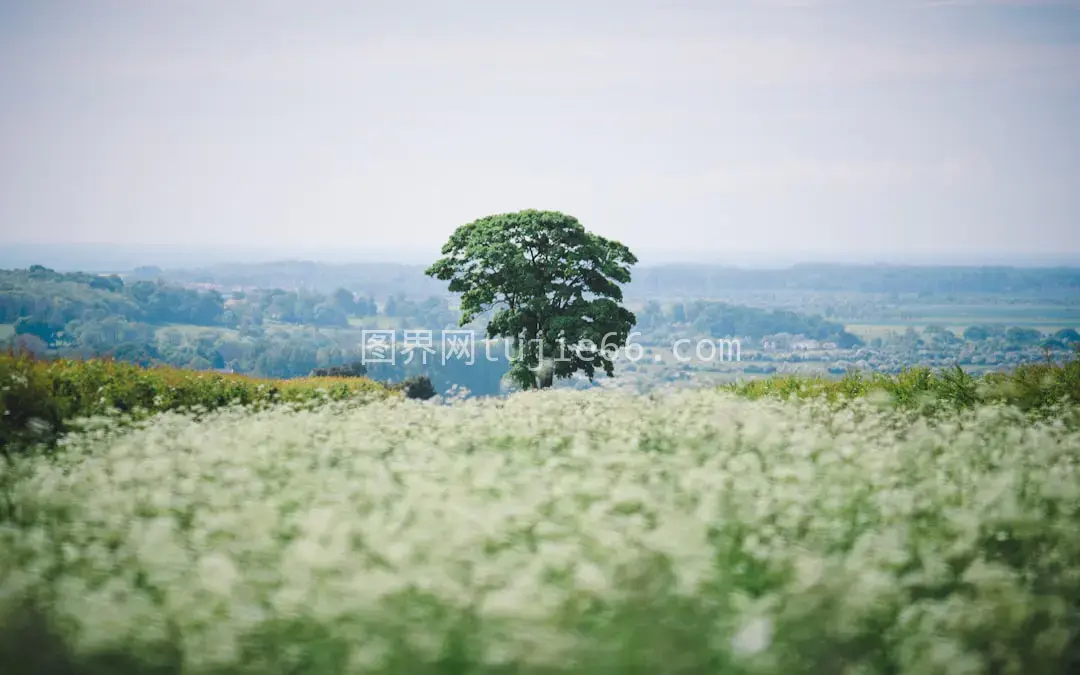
(191, 332)
(377, 322)
(868, 331)
(1024, 314)
(558, 533)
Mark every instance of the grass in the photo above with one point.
(550, 533)
(40, 399)
(1036, 388)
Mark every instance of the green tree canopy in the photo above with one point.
(553, 286)
(1067, 336)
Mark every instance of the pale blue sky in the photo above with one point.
(795, 128)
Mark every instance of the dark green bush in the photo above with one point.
(355, 369)
(417, 387)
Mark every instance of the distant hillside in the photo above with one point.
(711, 279)
(380, 279)
(376, 279)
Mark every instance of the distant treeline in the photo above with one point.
(150, 318)
(707, 280)
(265, 332)
(696, 280)
(45, 303)
(380, 280)
(68, 308)
(725, 320)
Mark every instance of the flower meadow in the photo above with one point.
(549, 532)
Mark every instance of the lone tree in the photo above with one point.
(553, 286)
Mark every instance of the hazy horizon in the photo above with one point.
(813, 131)
(119, 258)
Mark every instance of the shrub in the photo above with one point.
(41, 398)
(355, 369)
(416, 387)
(1036, 388)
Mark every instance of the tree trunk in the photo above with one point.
(545, 378)
(545, 375)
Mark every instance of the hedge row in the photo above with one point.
(1033, 388)
(39, 399)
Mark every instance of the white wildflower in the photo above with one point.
(753, 637)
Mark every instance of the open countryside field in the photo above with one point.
(1020, 314)
(869, 331)
(189, 334)
(553, 532)
(1047, 319)
(377, 322)
(573, 338)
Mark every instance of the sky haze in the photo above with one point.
(794, 129)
